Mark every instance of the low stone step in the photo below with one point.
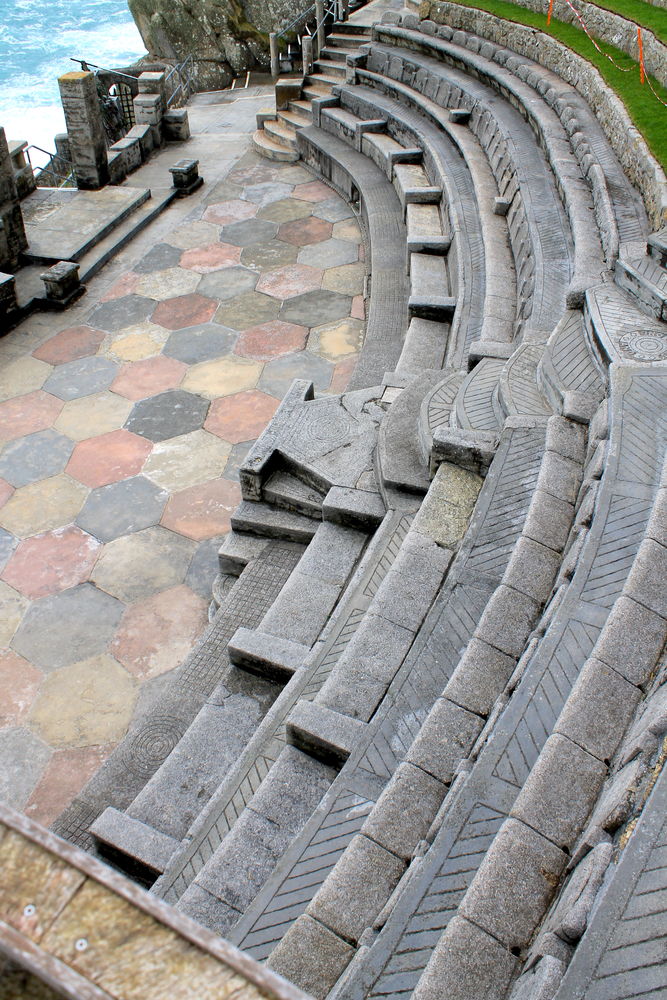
(476, 402)
(646, 281)
(337, 52)
(657, 246)
(347, 40)
(281, 133)
(261, 519)
(385, 152)
(290, 493)
(429, 288)
(437, 407)
(145, 851)
(312, 90)
(267, 655)
(341, 123)
(293, 119)
(272, 150)
(413, 186)
(425, 235)
(303, 108)
(330, 68)
(518, 390)
(237, 551)
(424, 346)
(402, 464)
(322, 80)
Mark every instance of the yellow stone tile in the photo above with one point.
(22, 376)
(91, 415)
(51, 503)
(337, 340)
(144, 340)
(347, 279)
(187, 460)
(193, 234)
(86, 704)
(168, 283)
(347, 229)
(221, 378)
(12, 608)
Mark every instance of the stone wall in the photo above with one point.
(630, 147)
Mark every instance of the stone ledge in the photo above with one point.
(323, 733)
(266, 655)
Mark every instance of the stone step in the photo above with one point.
(272, 150)
(657, 247)
(568, 365)
(385, 151)
(330, 69)
(413, 186)
(400, 459)
(618, 329)
(284, 490)
(293, 119)
(476, 403)
(282, 133)
(340, 123)
(424, 225)
(311, 90)
(644, 279)
(268, 522)
(438, 403)
(323, 81)
(336, 53)
(301, 108)
(518, 388)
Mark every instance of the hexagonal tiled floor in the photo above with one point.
(122, 431)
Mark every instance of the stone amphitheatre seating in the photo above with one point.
(428, 714)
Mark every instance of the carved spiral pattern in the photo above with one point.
(152, 745)
(644, 345)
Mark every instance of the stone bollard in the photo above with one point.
(186, 177)
(85, 130)
(307, 54)
(148, 111)
(62, 284)
(176, 125)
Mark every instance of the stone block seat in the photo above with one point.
(430, 710)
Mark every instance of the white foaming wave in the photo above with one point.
(36, 125)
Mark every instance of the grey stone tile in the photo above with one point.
(244, 234)
(237, 457)
(81, 378)
(329, 253)
(272, 254)
(142, 564)
(121, 508)
(158, 258)
(36, 456)
(204, 567)
(167, 415)
(7, 545)
(333, 210)
(200, 343)
(278, 375)
(265, 193)
(67, 627)
(228, 282)
(119, 313)
(23, 758)
(316, 308)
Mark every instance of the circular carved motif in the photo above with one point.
(152, 745)
(644, 345)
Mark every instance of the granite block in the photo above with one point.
(532, 569)
(480, 677)
(405, 810)
(631, 640)
(293, 957)
(467, 964)
(323, 733)
(446, 737)
(507, 620)
(549, 520)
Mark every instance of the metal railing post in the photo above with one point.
(275, 58)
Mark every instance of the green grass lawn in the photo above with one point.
(654, 18)
(646, 112)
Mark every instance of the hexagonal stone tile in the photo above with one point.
(83, 418)
(184, 310)
(67, 627)
(124, 286)
(348, 279)
(286, 282)
(237, 457)
(278, 375)
(211, 258)
(241, 417)
(251, 169)
(119, 313)
(200, 343)
(23, 757)
(187, 460)
(312, 191)
(35, 411)
(122, 508)
(63, 778)
(6, 490)
(19, 683)
(7, 545)
(219, 378)
(108, 458)
(69, 345)
(347, 229)
(315, 308)
(264, 256)
(50, 503)
(287, 210)
(12, 608)
(333, 210)
(271, 340)
(157, 634)
(136, 343)
(267, 192)
(330, 253)
(159, 257)
(85, 704)
(202, 511)
(161, 285)
(337, 340)
(81, 378)
(222, 191)
(136, 566)
(167, 415)
(292, 174)
(36, 456)
(303, 232)
(358, 310)
(22, 376)
(342, 374)
(228, 283)
(46, 564)
(204, 567)
(193, 234)
(232, 211)
(244, 234)
(148, 377)
(248, 309)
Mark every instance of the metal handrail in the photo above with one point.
(85, 65)
(62, 177)
(184, 71)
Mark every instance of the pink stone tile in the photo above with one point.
(70, 345)
(156, 634)
(234, 210)
(358, 310)
(362, 252)
(19, 683)
(286, 282)
(312, 191)
(46, 564)
(184, 310)
(124, 286)
(342, 374)
(303, 232)
(108, 458)
(211, 258)
(202, 511)
(241, 417)
(6, 490)
(35, 411)
(149, 377)
(66, 774)
(271, 340)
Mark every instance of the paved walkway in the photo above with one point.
(122, 426)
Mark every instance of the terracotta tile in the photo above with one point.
(313, 191)
(286, 282)
(148, 377)
(6, 490)
(108, 458)
(66, 774)
(241, 417)
(124, 286)
(358, 310)
(271, 340)
(155, 635)
(26, 414)
(19, 683)
(211, 258)
(303, 232)
(49, 563)
(230, 211)
(184, 310)
(70, 345)
(202, 511)
(342, 375)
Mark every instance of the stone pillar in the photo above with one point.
(154, 83)
(85, 129)
(307, 53)
(13, 238)
(319, 17)
(275, 55)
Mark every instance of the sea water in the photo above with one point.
(38, 39)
